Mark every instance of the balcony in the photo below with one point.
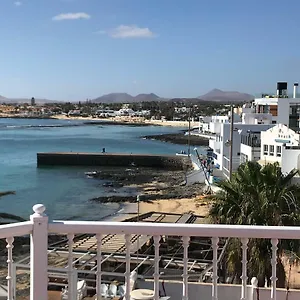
(186, 285)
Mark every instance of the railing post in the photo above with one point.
(254, 284)
(39, 254)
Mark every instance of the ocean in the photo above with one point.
(65, 191)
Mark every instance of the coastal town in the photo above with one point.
(253, 141)
(149, 150)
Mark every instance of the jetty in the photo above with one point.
(171, 162)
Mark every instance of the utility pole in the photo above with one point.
(189, 139)
(231, 142)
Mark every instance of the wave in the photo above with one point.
(38, 126)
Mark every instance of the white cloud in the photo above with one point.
(134, 81)
(71, 16)
(128, 32)
(18, 3)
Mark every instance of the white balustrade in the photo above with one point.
(156, 266)
(244, 276)
(185, 276)
(215, 242)
(127, 272)
(274, 243)
(99, 261)
(254, 286)
(38, 254)
(72, 291)
(38, 228)
(9, 246)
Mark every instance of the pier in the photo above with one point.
(171, 162)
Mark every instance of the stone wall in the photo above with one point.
(114, 160)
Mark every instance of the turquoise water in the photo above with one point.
(64, 190)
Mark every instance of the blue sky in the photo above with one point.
(78, 49)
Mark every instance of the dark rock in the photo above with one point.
(179, 138)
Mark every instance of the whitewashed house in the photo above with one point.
(284, 109)
(254, 118)
(250, 146)
(281, 144)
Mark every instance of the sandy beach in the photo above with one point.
(196, 205)
(131, 120)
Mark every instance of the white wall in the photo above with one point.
(215, 127)
(277, 136)
(225, 133)
(290, 160)
(256, 118)
(267, 101)
(284, 109)
(203, 291)
(253, 153)
(215, 145)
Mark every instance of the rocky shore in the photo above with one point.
(179, 138)
(124, 184)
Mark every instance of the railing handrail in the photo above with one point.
(171, 229)
(16, 229)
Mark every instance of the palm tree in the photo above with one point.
(6, 216)
(257, 196)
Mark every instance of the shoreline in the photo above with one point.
(133, 121)
(159, 190)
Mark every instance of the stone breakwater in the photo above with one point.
(170, 162)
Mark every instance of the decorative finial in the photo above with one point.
(254, 281)
(39, 209)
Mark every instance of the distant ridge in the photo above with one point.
(214, 95)
(126, 98)
(226, 96)
(26, 100)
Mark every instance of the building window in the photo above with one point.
(271, 150)
(266, 149)
(243, 158)
(278, 151)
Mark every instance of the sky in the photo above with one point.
(79, 49)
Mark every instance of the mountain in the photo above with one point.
(146, 97)
(114, 98)
(2, 99)
(226, 96)
(126, 98)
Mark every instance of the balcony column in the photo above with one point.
(39, 254)
(215, 277)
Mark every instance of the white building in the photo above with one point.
(252, 119)
(250, 146)
(125, 112)
(281, 144)
(284, 109)
(221, 144)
